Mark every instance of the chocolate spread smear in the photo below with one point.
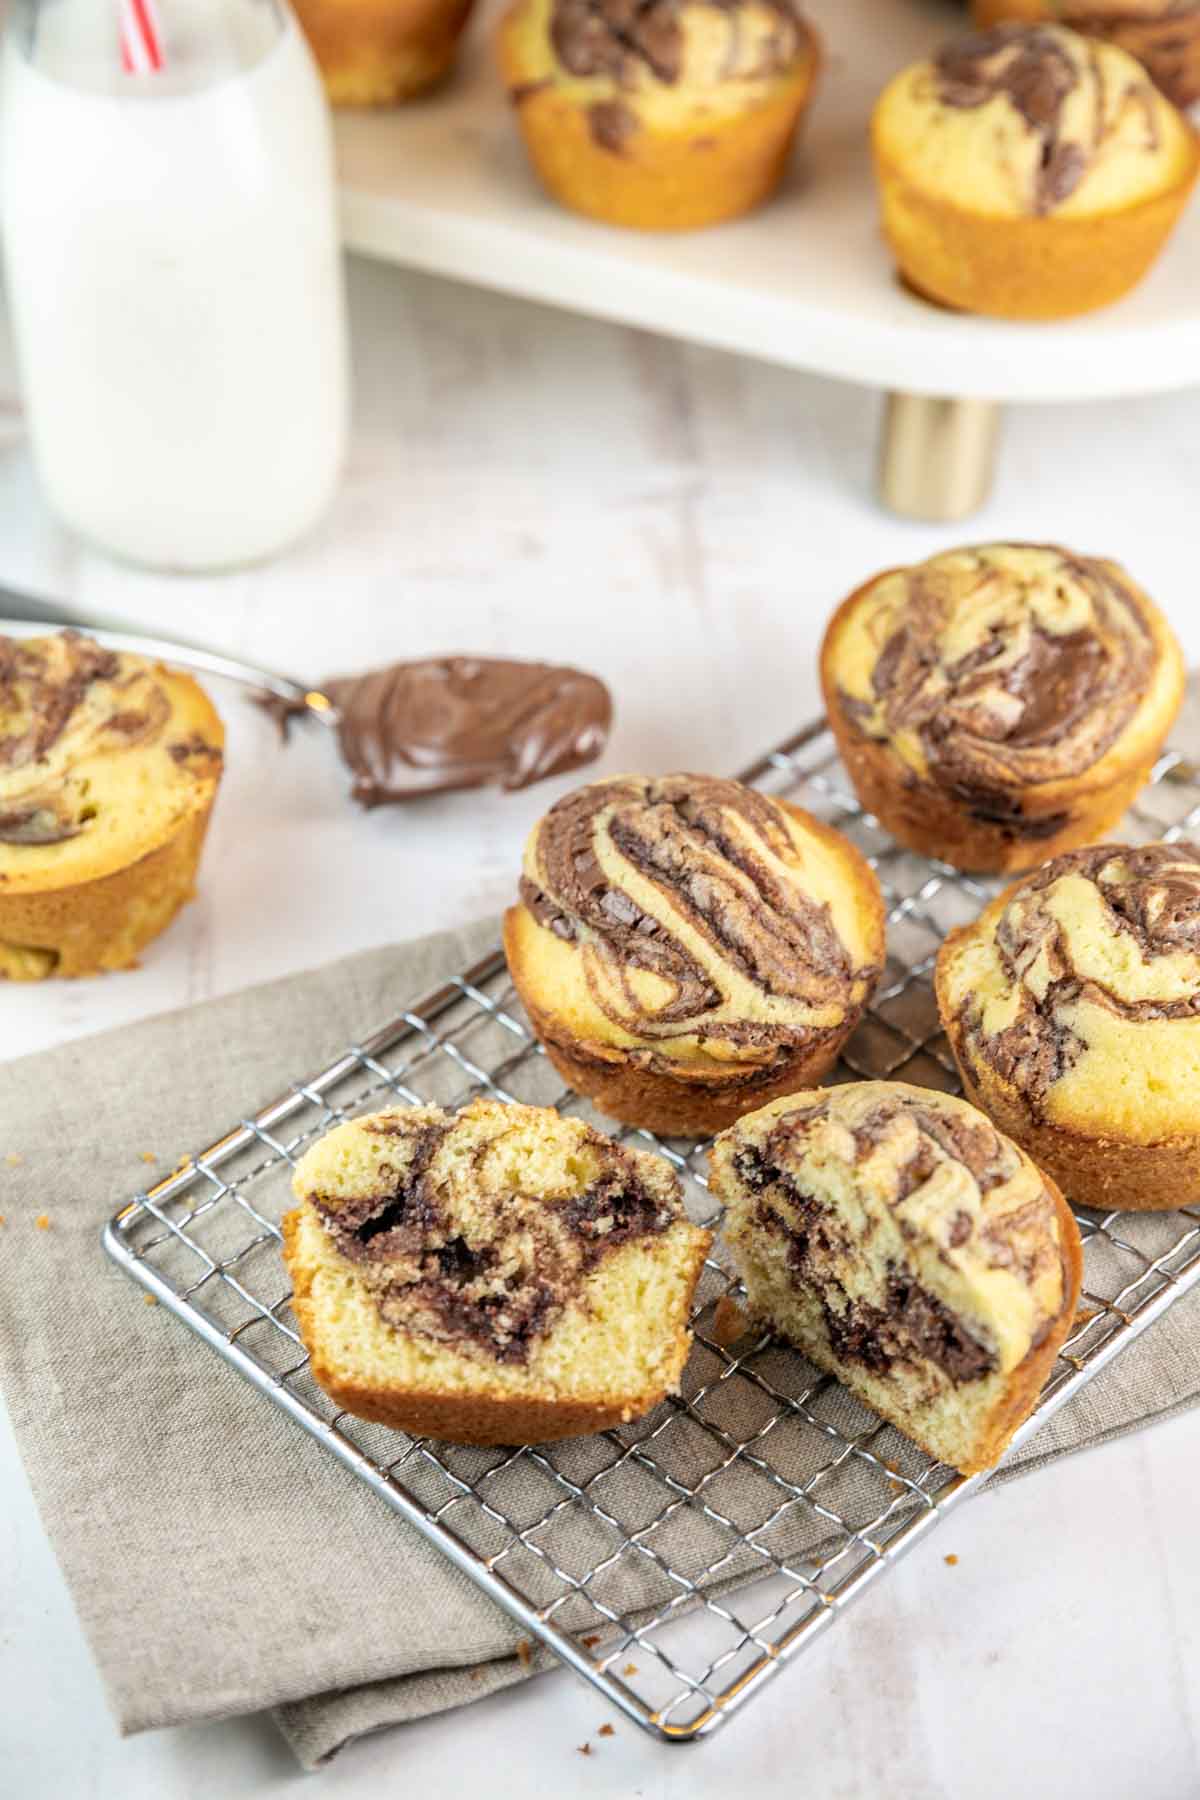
(451, 722)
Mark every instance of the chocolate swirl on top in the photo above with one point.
(700, 883)
(1000, 668)
(950, 1209)
(1111, 929)
(64, 699)
(1040, 70)
(452, 1253)
(629, 40)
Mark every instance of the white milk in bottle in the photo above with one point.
(174, 276)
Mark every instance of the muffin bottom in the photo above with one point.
(654, 180)
(1168, 47)
(1027, 268)
(678, 1105)
(931, 821)
(375, 54)
(100, 925)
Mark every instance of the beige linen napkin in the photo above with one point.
(220, 1560)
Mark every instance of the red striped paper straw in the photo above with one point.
(141, 38)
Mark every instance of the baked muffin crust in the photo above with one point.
(1073, 1008)
(108, 769)
(694, 933)
(998, 703)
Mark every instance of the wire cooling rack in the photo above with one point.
(678, 1561)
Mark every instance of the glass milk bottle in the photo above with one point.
(168, 211)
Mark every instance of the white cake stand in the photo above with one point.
(442, 185)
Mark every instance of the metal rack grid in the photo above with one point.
(679, 1561)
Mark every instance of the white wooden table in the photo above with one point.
(682, 522)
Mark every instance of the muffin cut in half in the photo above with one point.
(1029, 173)
(1164, 35)
(660, 114)
(998, 704)
(896, 1238)
(1072, 1005)
(109, 766)
(687, 947)
(496, 1276)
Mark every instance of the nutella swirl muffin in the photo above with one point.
(999, 704)
(1164, 35)
(499, 1276)
(109, 766)
(687, 947)
(378, 52)
(1072, 1005)
(1028, 172)
(897, 1239)
(663, 114)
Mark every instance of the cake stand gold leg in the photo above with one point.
(936, 456)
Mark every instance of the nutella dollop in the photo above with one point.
(450, 722)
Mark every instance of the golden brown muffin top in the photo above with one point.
(1033, 120)
(676, 41)
(1001, 667)
(75, 720)
(1080, 988)
(477, 1228)
(698, 916)
(885, 1175)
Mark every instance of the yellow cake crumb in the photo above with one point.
(14, 1159)
(42, 1222)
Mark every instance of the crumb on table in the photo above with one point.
(585, 1749)
(524, 1653)
(629, 1669)
(149, 1300)
(42, 1222)
(591, 1640)
(14, 1159)
(605, 1731)
(729, 1323)
(148, 1156)
(951, 1561)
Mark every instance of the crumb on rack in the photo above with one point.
(897, 1487)
(629, 1669)
(525, 1653)
(1084, 1316)
(14, 1159)
(605, 1731)
(951, 1561)
(729, 1323)
(42, 1221)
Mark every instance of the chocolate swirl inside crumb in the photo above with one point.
(1008, 666)
(700, 884)
(967, 1207)
(498, 1291)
